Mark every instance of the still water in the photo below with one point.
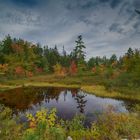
(68, 102)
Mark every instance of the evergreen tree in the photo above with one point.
(129, 53)
(91, 63)
(113, 58)
(7, 45)
(64, 52)
(78, 53)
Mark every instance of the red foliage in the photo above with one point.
(94, 69)
(74, 92)
(29, 74)
(73, 68)
(19, 71)
(39, 70)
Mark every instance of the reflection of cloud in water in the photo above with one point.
(68, 102)
(98, 104)
(68, 105)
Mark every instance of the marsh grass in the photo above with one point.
(103, 92)
(94, 84)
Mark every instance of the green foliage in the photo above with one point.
(19, 59)
(108, 72)
(24, 59)
(113, 58)
(9, 129)
(52, 55)
(45, 126)
(76, 123)
(114, 126)
(78, 54)
(57, 69)
(91, 63)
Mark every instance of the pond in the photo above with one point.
(68, 102)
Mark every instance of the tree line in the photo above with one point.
(22, 58)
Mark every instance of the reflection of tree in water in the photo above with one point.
(23, 98)
(65, 94)
(52, 93)
(81, 101)
(74, 92)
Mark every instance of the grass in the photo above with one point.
(102, 92)
(87, 82)
(7, 87)
(45, 125)
(109, 126)
(43, 84)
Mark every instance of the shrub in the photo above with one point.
(9, 129)
(45, 125)
(73, 68)
(19, 71)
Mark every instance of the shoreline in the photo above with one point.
(96, 90)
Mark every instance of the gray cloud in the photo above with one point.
(107, 26)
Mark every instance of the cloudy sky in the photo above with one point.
(107, 26)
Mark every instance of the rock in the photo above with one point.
(69, 138)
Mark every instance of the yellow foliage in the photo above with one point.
(3, 68)
(43, 116)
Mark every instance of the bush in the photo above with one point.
(44, 125)
(9, 129)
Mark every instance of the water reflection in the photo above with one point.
(81, 101)
(68, 102)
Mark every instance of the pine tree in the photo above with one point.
(7, 45)
(78, 52)
(113, 58)
(130, 53)
(78, 55)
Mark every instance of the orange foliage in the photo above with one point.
(17, 48)
(3, 68)
(114, 64)
(115, 74)
(63, 71)
(29, 74)
(19, 71)
(59, 70)
(99, 69)
(94, 69)
(32, 124)
(73, 68)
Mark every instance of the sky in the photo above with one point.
(107, 26)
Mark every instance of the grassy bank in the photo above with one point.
(4, 87)
(45, 125)
(87, 82)
(102, 92)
